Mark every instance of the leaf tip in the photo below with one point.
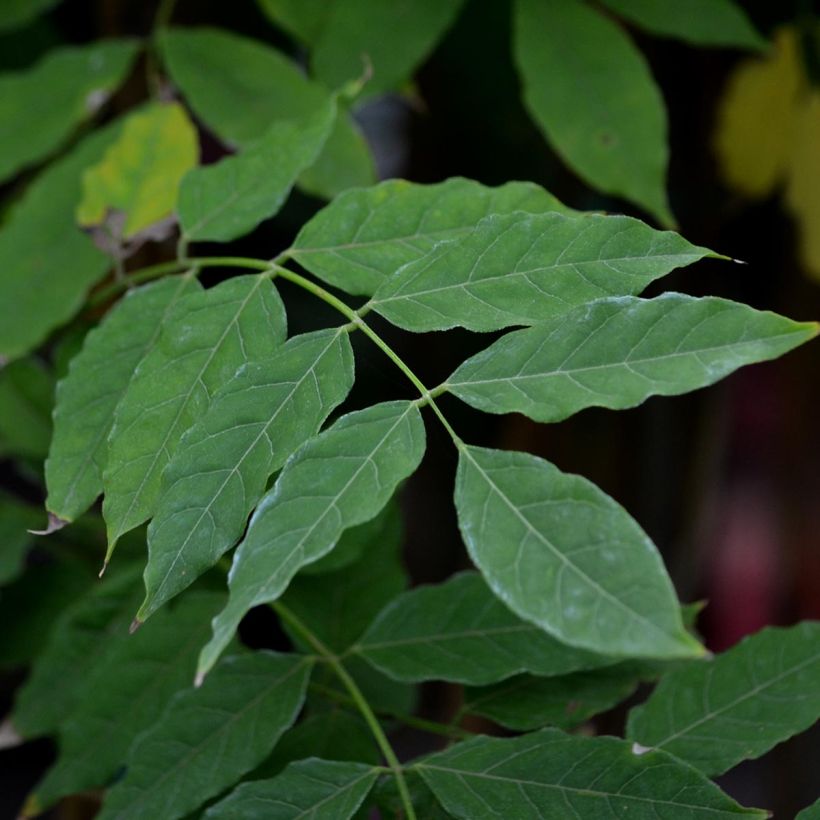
(638, 749)
(32, 807)
(54, 524)
(9, 736)
(199, 678)
(135, 625)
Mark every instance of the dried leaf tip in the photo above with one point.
(135, 625)
(54, 523)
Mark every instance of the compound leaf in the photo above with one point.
(550, 774)
(592, 94)
(563, 555)
(223, 463)
(737, 705)
(224, 201)
(207, 337)
(459, 631)
(522, 269)
(337, 480)
(308, 788)
(209, 737)
(617, 352)
(41, 106)
(97, 379)
(364, 236)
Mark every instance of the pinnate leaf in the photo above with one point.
(616, 352)
(223, 463)
(563, 555)
(207, 337)
(522, 269)
(737, 705)
(209, 737)
(459, 631)
(308, 788)
(365, 235)
(613, 131)
(41, 106)
(137, 181)
(97, 379)
(224, 201)
(337, 480)
(550, 774)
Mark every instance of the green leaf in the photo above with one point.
(302, 19)
(97, 379)
(364, 236)
(339, 605)
(699, 22)
(811, 812)
(240, 87)
(335, 481)
(26, 399)
(527, 702)
(135, 184)
(16, 520)
(209, 737)
(565, 556)
(617, 352)
(309, 788)
(549, 774)
(83, 636)
(42, 105)
(522, 269)
(206, 338)
(123, 696)
(459, 631)
(224, 201)
(48, 264)
(222, 465)
(592, 94)
(738, 705)
(395, 35)
(18, 13)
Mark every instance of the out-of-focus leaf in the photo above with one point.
(562, 554)
(395, 35)
(207, 738)
(700, 22)
(135, 184)
(41, 106)
(618, 352)
(15, 521)
(18, 13)
(309, 788)
(301, 18)
(811, 812)
(550, 774)
(592, 94)
(206, 338)
(364, 236)
(459, 631)
(737, 705)
(337, 480)
(97, 379)
(223, 464)
(224, 201)
(523, 269)
(26, 398)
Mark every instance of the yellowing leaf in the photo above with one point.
(138, 178)
(756, 118)
(803, 183)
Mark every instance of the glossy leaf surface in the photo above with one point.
(41, 106)
(521, 269)
(209, 737)
(364, 236)
(338, 480)
(459, 631)
(222, 465)
(309, 788)
(737, 705)
(208, 336)
(617, 352)
(97, 379)
(565, 556)
(549, 774)
(613, 133)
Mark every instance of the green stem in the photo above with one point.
(358, 699)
